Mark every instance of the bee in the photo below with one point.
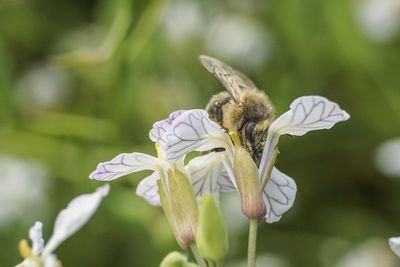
(242, 108)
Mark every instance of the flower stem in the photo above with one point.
(197, 256)
(251, 252)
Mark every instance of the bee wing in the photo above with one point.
(234, 81)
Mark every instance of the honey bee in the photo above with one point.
(242, 108)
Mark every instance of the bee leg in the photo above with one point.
(218, 108)
(241, 124)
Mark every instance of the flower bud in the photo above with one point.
(180, 207)
(247, 180)
(212, 238)
(176, 259)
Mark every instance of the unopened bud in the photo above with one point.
(180, 207)
(212, 237)
(247, 180)
(176, 259)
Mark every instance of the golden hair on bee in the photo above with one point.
(242, 108)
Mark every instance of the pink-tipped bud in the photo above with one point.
(247, 180)
(180, 207)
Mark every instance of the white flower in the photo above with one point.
(67, 223)
(387, 158)
(238, 38)
(201, 170)
(370, 253)
(23, 185)
(193, 130)
(182, 21)
(379, 19)
(394, 244)
(43, 87)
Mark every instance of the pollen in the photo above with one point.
(235, 138)
(160, 153)
(24, 249)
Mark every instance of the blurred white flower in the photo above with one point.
(379, 19)
(394, 244)
(387, 158)
(43, 87)
(182, 20)
(237, 39)
(22, 188)
(67, 223)
(372, 253)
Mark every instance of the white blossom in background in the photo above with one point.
(182, 21)
(379, 19)
(43, 87)
(23, 185)
(387, 158)
(237, 39)
(394, 244)
(67, 223)
(372, 253)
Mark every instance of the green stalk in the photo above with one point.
(197, 255)
(251, 252)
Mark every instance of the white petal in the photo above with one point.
(160, 128)
(394, 244)
(35, 234)
(28, 263)
(50, 260)
(74, 216)
(193, 130)
(126, 163)
(148, 189)
(208, 174)
(229, 172)
(278, 195)
(225, 182)
(307, 113)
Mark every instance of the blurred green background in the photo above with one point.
(81, 81)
